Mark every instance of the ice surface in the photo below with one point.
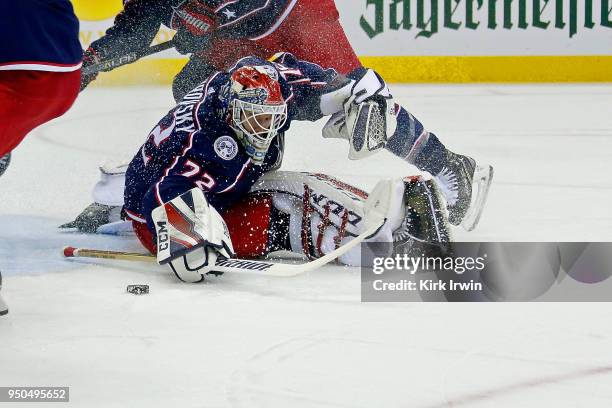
(241, 341)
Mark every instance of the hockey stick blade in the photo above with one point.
(237, 265)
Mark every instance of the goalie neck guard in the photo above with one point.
(257, 109)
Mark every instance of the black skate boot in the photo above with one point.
(4, 162)
(3, 306)
(465, 187)
(424, 229)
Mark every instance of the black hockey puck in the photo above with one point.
(138, 289)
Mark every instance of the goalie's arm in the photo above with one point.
(133, 29)
(317, 91)
(131, 34)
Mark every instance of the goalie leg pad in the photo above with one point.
(322, 212)
(315, 230)
(325, 213)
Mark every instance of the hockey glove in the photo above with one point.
(369, 124)
(90, 57)
(4, 162)
(186, 43)
(368, 117)
(194, 29)
(371, 115)
(369, 86)
(191, 235)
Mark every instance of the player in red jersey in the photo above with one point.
(219, 32)
(39, 72)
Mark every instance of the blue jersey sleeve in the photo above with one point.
(134, 28)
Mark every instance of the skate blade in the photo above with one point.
(483, 176)
(3, 307)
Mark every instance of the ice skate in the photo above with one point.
(94, 216)
(4, 162)
(465, 186)
(3, 306)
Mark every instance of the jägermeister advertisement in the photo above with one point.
(478, 27)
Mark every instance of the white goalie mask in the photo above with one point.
(258, 109)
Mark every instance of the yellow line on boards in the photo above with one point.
(493, 69)
(412, 69)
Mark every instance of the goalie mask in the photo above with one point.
(258, 109)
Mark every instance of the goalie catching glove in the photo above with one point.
(191, 235)
(368, 117)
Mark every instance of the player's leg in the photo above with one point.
(249, 221)
(250, 224)
(463, 183)
(312, 32)
(307, 32)
(453, 172)
(310, 214)
(4, 163)
(108, 201)
(322, 219)
(29, 99)
(313, 214)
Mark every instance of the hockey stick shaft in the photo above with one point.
(72, 252)
(116, 62)
(236, 265)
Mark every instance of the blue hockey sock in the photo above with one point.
(412, 143)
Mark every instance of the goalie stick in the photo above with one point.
(113, 63)
(238, 265)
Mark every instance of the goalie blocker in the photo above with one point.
(190, 236)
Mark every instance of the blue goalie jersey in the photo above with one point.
(195, 146)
